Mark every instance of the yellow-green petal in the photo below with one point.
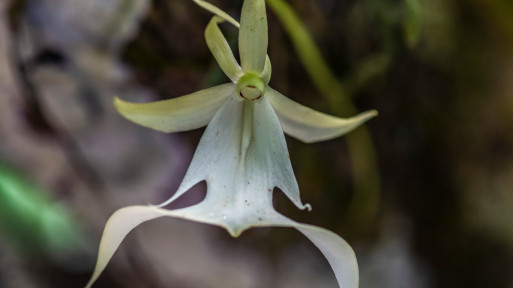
(253, 36)
(219, 47)
(266, 74)
(178, 114)
(216, 11)
(309, 125)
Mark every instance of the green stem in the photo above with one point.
(365, 203)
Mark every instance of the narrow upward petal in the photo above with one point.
(178, 114)
(221, 50)
(309, 125)
(253, 36)
(266, 74)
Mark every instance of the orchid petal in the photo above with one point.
(338, 253)
(178, 114)
(309, 125)
(253, 36)
(266, 74)
(116, 229)
(216, 11)
(219, 47)
(242, 156)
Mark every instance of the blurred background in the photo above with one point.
(423, 193)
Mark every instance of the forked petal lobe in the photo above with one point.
(338, 253)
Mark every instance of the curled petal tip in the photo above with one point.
(371, 113)
(216, 11)
(365, 116)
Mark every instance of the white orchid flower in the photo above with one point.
(243, 154)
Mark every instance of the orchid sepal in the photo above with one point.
(178, 114)
(253, 36)
(311, 126)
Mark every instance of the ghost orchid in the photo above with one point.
(243, 154)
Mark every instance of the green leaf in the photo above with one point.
(31, 221)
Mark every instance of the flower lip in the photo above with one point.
(250, 87)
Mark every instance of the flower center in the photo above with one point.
(250, 87)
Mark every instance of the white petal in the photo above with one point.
(126, 219)
(338, 253)
(215, 10)
(179, 114)
(116, 229)
(309, 125)
(221, 50)
(242, 156)
(253, 36)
